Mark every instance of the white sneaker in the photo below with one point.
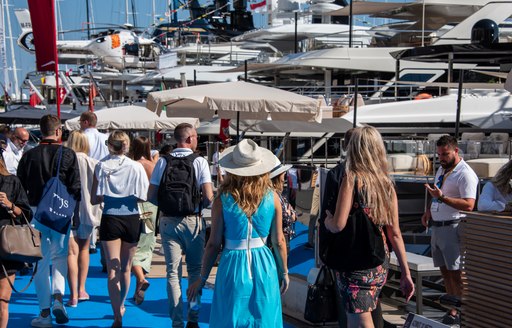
(42, 322)
(59, 311)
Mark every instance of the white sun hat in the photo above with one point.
(279, 168)
(247, 159)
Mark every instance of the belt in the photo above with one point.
(444, 223)
(243, 243)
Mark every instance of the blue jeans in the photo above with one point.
(182, 235)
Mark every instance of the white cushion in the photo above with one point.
(486, 167)
(475, 136)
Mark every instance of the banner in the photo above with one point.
(224, 130)
(42, 14)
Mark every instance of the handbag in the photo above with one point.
(145, 216)
(57, 206)
(20, 243)
(321, 304)
(359, 246)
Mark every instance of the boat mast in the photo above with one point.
(88, 22)
(11, 44)
(126, 12)
(2, 47)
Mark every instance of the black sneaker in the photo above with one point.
(191, 324)
(450, 319)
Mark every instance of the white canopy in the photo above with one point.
(132, 118)
(252, 101)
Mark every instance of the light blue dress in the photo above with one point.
(246, 287)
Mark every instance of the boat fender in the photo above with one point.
(422, 96)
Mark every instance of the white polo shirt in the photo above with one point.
(201, 168)
(462, 182)
(97, 143)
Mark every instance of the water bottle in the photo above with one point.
(195, 304)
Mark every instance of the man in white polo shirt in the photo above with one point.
(182, 233)
(455, 190)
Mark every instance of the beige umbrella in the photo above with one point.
(251, 101)
(132, 118)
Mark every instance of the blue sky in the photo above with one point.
(73, 16)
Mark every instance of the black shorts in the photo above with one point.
(11, 267)
(124, 227)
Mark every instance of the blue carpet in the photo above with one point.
(300, 259)
(152, 313)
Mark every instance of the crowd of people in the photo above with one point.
(132, 194)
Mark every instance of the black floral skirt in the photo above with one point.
(360, 289)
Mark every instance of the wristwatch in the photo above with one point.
(441, 198)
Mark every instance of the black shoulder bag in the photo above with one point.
(321, 304)
(359, 246)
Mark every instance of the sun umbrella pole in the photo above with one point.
(356, 93)
(237, 127)
(459, 103)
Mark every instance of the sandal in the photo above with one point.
(138, 297)
(83, 296)
(73, 302)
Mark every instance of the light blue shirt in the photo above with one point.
(491, 199)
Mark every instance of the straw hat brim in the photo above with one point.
(263, 166)
(282, 168)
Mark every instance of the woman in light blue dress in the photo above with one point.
(244, 215)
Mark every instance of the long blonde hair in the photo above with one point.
(247, 192)
(502, 179)
(366, 161)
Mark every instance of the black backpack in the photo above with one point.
(178, 194)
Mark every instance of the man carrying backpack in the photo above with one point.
(181, 186)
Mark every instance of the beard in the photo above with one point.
(447, 164)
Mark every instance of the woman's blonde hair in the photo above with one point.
(502, 179)
(78, 141)
(277, 183)
(366, 161)
(246, 191)
(118, 143)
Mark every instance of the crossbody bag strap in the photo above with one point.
(12, 285)
(58, 161)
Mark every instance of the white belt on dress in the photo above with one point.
(243, 244)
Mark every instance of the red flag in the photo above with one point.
(42, 15)
(62, 94)
(92, 94)
(257, 5)
(34, 99)
(224, 130)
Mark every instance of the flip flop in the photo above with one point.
(140, 293)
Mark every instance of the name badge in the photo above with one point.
(435, 206)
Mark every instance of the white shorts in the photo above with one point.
(445, 244)
(83, 232)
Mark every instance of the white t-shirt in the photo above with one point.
(215, 160)
(97, 143)
(12, 156)
(201, 168)
(462, 182)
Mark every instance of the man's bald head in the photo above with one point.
(20, 137)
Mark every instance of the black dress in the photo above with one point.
(11, 185)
